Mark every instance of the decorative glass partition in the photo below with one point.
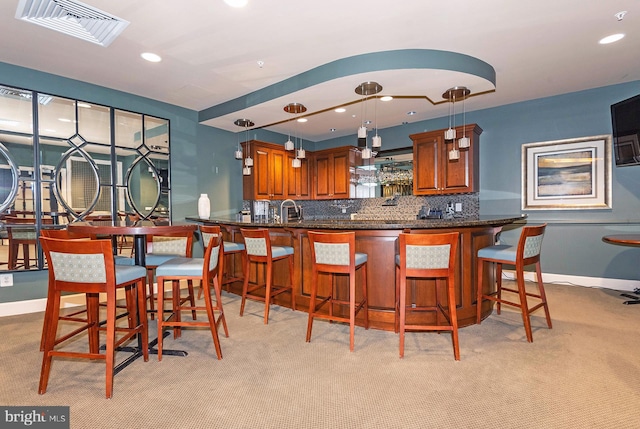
(94, 162)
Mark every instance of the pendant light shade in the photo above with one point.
(294, 109)
(464, 142)
(296, 163)
(366, 89)
(248, 161)
(453, 94)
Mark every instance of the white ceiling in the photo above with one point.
(210, 53)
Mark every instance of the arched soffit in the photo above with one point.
(358, 64)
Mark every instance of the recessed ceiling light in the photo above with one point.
(84, 105)
(611, 39)
(386, 98)
(340, 110)
(333, 130)
(411, 113)
(236, 3)
(151, 57)
(302, 120)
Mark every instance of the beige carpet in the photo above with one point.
(584, 373)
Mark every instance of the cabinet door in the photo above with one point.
(324, 176)
(298, 180)
(261, 173)
(277, 174)
(341, 175)
(426, 157)
(456, 173)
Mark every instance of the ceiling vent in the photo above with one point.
(72, 18)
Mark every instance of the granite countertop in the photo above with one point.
(489, 220)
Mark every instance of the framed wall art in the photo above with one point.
(567, 174)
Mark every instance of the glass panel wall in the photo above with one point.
(95, 162)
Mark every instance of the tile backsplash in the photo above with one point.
(396, 208)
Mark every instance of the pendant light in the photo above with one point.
(293, 108)
(464, 142)
(453, 94)
(248, 161)
(376, 141)
(365, 89)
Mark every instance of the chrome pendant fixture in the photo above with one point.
(365, 89)
(248, 161)
(293, 108)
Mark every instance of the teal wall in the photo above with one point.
(202, 162)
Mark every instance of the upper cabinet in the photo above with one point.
(334, 170)
(268, 175)
(298, 180)
(435, 173)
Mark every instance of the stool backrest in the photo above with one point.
(87, 262)
(212, 256)
(171, 243)
(530, 244)
(257, 242)
(428, 255)
(332, 250)
(207, 232)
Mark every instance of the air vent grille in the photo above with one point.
(72, 18)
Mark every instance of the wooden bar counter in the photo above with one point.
(378, 239)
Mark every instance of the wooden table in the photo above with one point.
(626, 240)
(139, 230)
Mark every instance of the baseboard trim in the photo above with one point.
(599, 282)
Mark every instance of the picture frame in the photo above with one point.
(569, 174)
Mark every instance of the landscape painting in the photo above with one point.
(567, 174)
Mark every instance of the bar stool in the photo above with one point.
(161, 248)
(427, 256)
(207, 271)
(527, 252)
(87, 266)
(230, 248)
(334, 253)
(259, 250)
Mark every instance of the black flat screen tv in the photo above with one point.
(625, 118)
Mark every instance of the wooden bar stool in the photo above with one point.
(427, 256)
(259, 250)
(527, 252)
(87, 266)
(207, 271)
(161, 248)
(230, 248)
(334, 253)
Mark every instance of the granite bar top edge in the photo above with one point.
(347, 224)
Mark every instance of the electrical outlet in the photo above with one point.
(6, 280)
(458, 207)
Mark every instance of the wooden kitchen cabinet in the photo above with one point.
(268, 174)
(298, 180)
(434, 173)
(333, 171)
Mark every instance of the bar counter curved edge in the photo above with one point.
(378, 239)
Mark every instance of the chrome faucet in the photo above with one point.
(282, 215)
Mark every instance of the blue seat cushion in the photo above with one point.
(123, 260)
(231, 246)
(279, 251)
(153, 260)
(126, 274)
(361, 258)
(180, 266)
(503, 252)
